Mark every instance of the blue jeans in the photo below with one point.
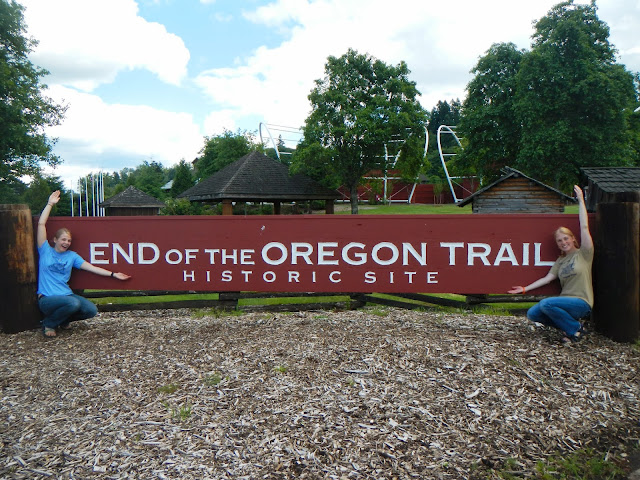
(62, 309)
(563, 313)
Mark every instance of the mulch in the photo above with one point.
(371, 393)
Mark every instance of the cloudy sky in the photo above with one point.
(149, 79)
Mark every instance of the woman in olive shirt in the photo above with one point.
(573, 268)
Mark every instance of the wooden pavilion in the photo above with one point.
(131, 202)
(258, 178)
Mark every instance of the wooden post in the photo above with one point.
(277, 208)
(328, 207)
(616, 271)
(227, 207)
(18, 275)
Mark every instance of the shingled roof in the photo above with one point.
(133, 198)
(254, 178)
(611, 184)
(511, 173)
(614, 179)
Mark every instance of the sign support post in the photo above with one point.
(18, 275)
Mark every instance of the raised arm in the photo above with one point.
(585, 236)
(41, 234)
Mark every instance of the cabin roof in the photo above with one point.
(131, 197)
(510, 173)
(614, 179)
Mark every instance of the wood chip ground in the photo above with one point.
(367, 394)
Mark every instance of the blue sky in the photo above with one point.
(149, 79)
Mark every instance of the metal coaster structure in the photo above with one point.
(392, 151)
(390, 160)
(278, 128)
(449, 130)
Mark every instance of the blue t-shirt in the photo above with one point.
(54, 270)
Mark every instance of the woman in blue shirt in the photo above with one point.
(56, 300)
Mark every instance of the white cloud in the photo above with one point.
(219, 121)
(93, 40)
(440, 42)
(98, 135)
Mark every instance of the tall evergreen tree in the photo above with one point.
(183, 178)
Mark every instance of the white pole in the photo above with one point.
(102, 192)
(86, 194)
(79, 198)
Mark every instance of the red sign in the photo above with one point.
(323, 253)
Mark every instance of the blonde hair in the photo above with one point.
(61, 232)
(565, 231)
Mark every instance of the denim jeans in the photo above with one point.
(62, 309)
(560, 312)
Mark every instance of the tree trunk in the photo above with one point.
(353, 198)
(17, 270)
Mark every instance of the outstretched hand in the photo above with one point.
(578, 191)
(516, 289)
(121, 276)
(54, 197)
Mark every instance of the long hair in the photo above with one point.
(566, 231)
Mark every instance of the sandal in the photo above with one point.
(579, 335)
(49, 332)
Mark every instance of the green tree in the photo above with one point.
(24, 110)
(11, 190)
(285, 152)
(488, 120)
(222, 150)
(38, 191)
(149, 177)
(359, 105)
(183, 178)
(572, 98)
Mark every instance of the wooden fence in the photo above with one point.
(616, 278)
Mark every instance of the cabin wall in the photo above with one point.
(131, 211)
(518, 195)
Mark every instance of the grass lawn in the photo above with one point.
(403, 209)
(416, 209)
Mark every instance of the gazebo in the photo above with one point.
(132, 202)
(258, 178)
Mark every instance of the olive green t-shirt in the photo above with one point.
(574, 273)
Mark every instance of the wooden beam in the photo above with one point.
(616, 270)
(18, 275)
(328, 207)
(227, 207)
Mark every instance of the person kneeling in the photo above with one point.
(56, 300)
